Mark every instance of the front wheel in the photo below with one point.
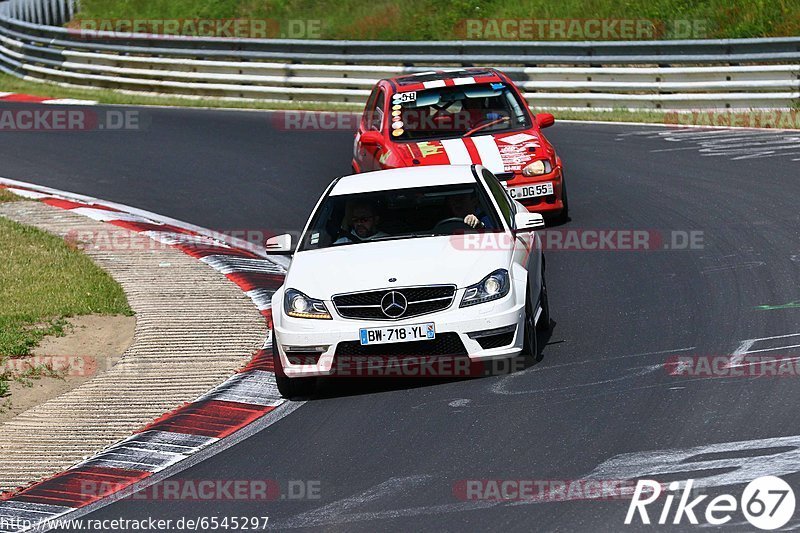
(295, 387)
(530, 347)
(563, 215)
(544, 318)
(290, 387)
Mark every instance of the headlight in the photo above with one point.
(492, 287)
(298, 305)
(537, 168)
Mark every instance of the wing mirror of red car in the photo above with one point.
(545, 120)
(371, 137)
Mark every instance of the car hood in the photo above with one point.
(502, 152)
(421, 261)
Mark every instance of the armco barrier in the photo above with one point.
(740, 73)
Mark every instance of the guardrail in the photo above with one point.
(741, 73)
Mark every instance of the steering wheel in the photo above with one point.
(449, 225)
(349, 234)
(485, 124)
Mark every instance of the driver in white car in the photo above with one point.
(363, 224)
(466, 206)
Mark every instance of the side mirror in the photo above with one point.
(545, 120)
(528, 221)
(371, 138)
(280, 245)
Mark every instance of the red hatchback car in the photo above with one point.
(463, 116)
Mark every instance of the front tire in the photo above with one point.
(563, 215)
(530, 347)
(290, 387)
(544, 318)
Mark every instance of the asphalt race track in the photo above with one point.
(391, 455)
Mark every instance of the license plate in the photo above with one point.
(531, 191)
(413, 332)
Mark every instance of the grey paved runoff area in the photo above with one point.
(193, 329)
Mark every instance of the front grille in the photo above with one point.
(443, 344)
(421, 301)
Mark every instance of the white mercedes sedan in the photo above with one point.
(422, 264)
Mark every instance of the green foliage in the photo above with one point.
(441, 19)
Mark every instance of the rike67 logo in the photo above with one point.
(767, 503)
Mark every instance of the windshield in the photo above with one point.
(400, 214)
(456, 112)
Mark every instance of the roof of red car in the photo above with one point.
(445, 78)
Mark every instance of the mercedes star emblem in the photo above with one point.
(394, 304)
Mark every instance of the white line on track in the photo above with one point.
(776, 348)
(777, 337)
(745, 348)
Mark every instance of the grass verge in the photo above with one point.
(42, 283)
(6, 196)
(445, 19)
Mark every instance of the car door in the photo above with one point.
(527, 246)
(367, 156)
(359, 153)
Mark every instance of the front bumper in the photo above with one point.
(320, 340)
(550, 204)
